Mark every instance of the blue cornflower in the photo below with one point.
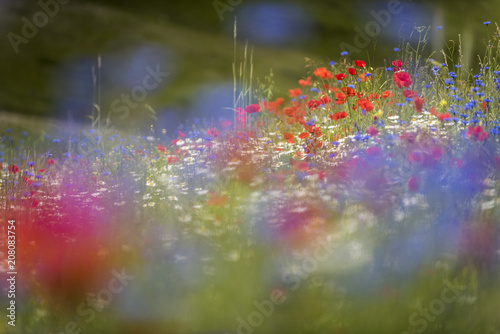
(396, 49)
(486, 23)
(344, 53)
(439, 28)
(332, 63)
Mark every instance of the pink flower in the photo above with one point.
(252, 109)
(212, 132)
(374, 151)
(413, 183)
(372, 131)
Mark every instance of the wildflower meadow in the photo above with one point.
(365, 200)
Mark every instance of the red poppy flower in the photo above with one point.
(340, 76)
(181, 135)
(441, 116)
(301, 166)
(323, 73)
(477, 133)
(161, 148)
(359, 63)
(365, 77)
(398, 65)
(273, 106)
(349, 91)
(50, 162)
(338, 115)
(386, 94)
(225, 124)
(173, 159)
(325, 100)
(402, 78)
(295, 92)
(352, 71)
(409, 93)
(289, 112)
(289, 137)
(303, 135)
(313, 104)
(306, 82)
(419, 104)
(252, 109)
(340, 98)
(484, 106)
(13, 169)
(365, 104)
